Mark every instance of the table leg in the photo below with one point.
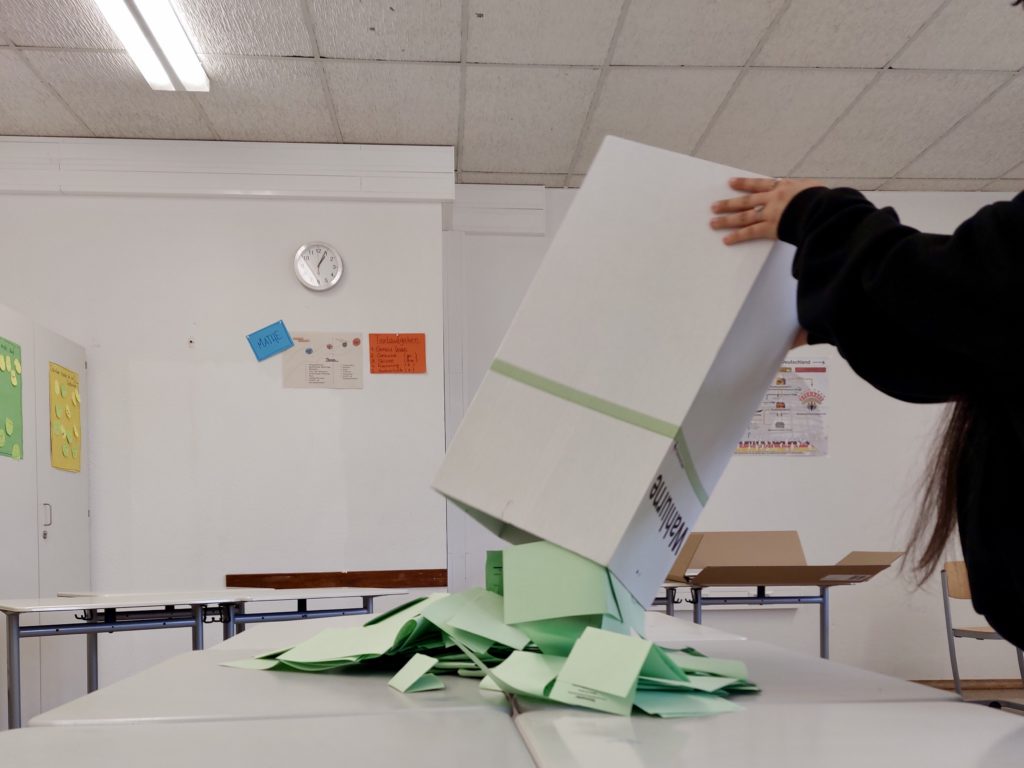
(670, 601)
(197, 628)
(13, 671)
(92, 665)
(228, 617)
(368, 608)
(698, 605)
(824, 622)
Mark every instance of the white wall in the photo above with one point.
(859, 497)
(202, 464)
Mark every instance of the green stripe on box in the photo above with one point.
(612, 410)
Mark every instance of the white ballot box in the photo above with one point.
(630, 372)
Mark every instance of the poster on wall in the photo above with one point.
(65, 419)
(322, 360)
(11, 422)
(791, 418)
(398, 353)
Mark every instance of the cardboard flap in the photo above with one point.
(871, 558)
(741, 548)
(784, 575)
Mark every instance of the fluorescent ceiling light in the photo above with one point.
(124, 25)
(153, 36)
(170, 36)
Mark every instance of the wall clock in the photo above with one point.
(318, 266)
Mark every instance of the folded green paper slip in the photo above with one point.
(415, 676)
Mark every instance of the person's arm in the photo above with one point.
(921, 317)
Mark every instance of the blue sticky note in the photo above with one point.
(270, 340)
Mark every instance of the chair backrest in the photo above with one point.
(956, 578)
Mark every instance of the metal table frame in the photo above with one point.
(94, 622)
(762, 598)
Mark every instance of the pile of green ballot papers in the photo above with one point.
(550, 625)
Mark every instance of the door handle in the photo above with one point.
(49, 514)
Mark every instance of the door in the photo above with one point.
(19, 556)
(62, 534)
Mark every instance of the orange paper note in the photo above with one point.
(398, 353)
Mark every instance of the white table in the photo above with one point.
(420, 738)
(932, 734)
(677, 631)
(193, 686)
(102, 613)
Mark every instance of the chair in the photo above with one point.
(956, 586)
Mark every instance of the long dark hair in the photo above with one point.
(937, 513)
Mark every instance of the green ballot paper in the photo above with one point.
(602, 671)
(415, 676)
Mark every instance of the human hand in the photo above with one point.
(756, 215)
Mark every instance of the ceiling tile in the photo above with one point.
(933, 185)
(986, 144)
(843, 33)
(28, 107)
(399, 30)
(269, 27)
(540, 31)
(395, 102)
(109, 94)
(56, 24)
(668, 108)
(1005, 185)
(267, 100)
(756, 130)
(898, 117)
(538, 179)
(524, 119)
(865, 185)
(969, 35)
(680, 32)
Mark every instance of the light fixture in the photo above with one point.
(153, 36)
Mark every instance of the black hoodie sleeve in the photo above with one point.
(924, 318)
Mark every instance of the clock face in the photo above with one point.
(318, 266)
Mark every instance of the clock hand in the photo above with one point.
(320, 262)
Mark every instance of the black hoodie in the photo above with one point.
(932, 318)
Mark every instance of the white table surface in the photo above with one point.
(128, 600)
(259, 637)
(680, 630)
(788, 678)
(932, 734)
(69, 601)
(243, 594)
(419, 738)
(193, 686)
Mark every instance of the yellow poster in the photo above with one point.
(65, 419)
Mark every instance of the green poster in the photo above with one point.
(11, 428)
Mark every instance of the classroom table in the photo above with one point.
(699, 600)
(194, 686)
(102, 613)
(798, 735)
(422, 738)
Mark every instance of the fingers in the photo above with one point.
(744, 184)
(738, 203)
(760, 231)
(736, 220)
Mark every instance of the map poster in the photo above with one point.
(11, 423)
(65, 419)
(791, 418)
(322, 360)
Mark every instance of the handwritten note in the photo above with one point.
(270, 340)
(398, 353)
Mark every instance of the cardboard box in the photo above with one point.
(638, 322)
(767, 558)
